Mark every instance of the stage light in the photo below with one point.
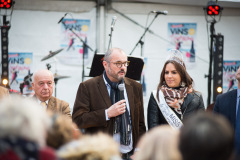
(213, 8)
(219, 89)
(6, 4)
(4, 46)
(5, 82)
(218, 66)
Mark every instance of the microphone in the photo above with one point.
(114, 19)
(121, 89)
(62, 18)
(160, 12)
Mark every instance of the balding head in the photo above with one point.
(43, 84)
(109, 53)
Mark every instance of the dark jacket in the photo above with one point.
(192, 103)
(226, 105)
(93, 99)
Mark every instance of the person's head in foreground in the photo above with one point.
(206, 136)
(160, 143)
(23, 130)
(62, 130)
(91, 147)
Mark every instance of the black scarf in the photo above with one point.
(122, 122)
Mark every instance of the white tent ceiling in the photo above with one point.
(85, 5)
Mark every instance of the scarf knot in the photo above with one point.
(175, 96)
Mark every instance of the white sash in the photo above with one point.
(167, 112)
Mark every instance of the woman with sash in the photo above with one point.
(175, 99)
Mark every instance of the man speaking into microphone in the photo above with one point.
(112, 103)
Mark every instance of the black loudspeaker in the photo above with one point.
(218, 66)
(4, 40)
(97, 66)
(134, 69)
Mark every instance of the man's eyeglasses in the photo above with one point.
(120, 64)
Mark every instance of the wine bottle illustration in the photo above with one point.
(192, 53)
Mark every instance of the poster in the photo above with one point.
(229, 75)
(20, 67)
(182, 36)
(73, 33)
(143, 78)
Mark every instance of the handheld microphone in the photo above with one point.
(121, 89)
(62, 18)
(114, 19)
(160, 12)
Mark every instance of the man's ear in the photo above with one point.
(105, 64)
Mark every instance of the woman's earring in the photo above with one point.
(164, 82)
(182, 84)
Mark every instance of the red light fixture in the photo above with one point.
(6, 4)
(213, 8)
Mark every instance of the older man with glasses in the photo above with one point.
(101, 105)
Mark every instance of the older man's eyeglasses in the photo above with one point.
(120, 64)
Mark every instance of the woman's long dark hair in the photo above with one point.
(181, 69)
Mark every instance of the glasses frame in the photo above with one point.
(120, 64)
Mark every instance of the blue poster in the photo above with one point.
(73, 33)
(20, 67)
(182, 37)
(229, 75)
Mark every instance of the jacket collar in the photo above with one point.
(103, 90)
(50, 102)
(232, 107)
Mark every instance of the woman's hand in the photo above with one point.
(174, 104)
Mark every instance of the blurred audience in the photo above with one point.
(206, 137)
(62, 131)
(160, 143)
(91, 147)
(23, 130)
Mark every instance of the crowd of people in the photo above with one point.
(107, 121)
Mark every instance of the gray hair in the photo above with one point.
(107, 56)
(22, 117)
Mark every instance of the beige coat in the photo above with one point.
(3, 92)
(59, 106)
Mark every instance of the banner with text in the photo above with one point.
(20, 67)
(229, 75)
(73, 33)
(182, 36)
